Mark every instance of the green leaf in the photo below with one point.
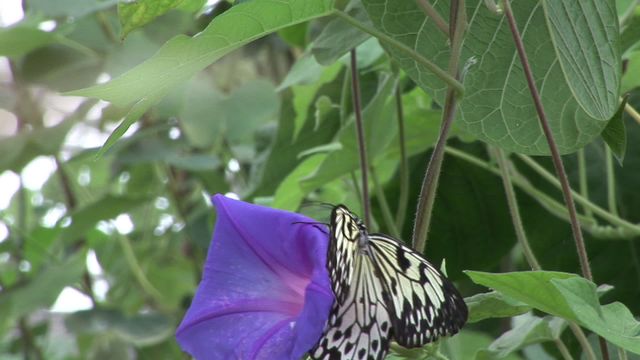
(528, 330)
(615, 134)
(586, 39)
(182, 57)
(305, 78)
(209, 116)
(520, 286)
(467, 343)
(497, 107)
(71, 8)
(140, 330)
(19, 40)
(380, 129)
(631, 78)
(570, 297)
(338, 37)
(493, 305)
(108, 207)
(136, 112)
(141, 12)
(42, 289)
(290, 194)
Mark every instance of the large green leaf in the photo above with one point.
(182, 57)
(74, 8)
(19, 40)
(139, 13)
(497, 106)
(586, 39)
(570, 297)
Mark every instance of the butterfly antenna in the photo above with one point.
(315, 225)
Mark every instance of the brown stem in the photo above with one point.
(362, 146)
(430, 182)
(555, 155)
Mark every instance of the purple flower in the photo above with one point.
(265, 292)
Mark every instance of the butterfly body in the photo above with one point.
(383, 291)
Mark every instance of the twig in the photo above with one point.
(430, 182)
(555, 155)
(362, 146)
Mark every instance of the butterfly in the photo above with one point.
(383, 291)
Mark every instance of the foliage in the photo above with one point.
(119, 120)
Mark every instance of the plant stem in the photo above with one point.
(512, 202)
(555, 155)
(566, 355)
(384, 205)
(136, 269)
(387, 40)
(553, 148)
(584, 184)
(632, 112)
(434, 15)
(611, 181)
(584, 342)
(362, 146)
(430, 182)
(613, 219)
(403, 199)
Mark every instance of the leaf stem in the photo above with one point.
(632, 112)
(584, 184)
(432, 175)
(434, 15)
(387, 40)
(136, 269)
(512, 202)
(611, 181)
(384, 205)
(613, 219)
(566, 355)
(362, 145)
(403, 198)
(624, 230)
(555, 154)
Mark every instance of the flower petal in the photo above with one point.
(265, 292)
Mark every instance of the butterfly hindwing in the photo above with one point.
(424, 305)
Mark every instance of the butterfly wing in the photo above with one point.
(359, 327)
(343, 248)
(423, 304)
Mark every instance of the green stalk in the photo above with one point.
(136, 269)
(584, 184)
(512, 202)
(611, 181)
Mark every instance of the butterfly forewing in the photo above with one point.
(359, 327)
(343, 248)
(423, 304)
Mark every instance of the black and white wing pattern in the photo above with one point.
(345, 232)
(384, 291)
(359, 327)
(424, 305)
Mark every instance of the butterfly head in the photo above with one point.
(348, 224)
